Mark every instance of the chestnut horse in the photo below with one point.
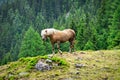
(57, 36)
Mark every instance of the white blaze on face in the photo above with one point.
(43, 34)
(47, 32)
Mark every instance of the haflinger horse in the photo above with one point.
(58, 36)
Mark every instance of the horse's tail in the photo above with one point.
(73, 32)
(73, 39)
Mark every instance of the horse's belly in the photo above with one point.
(61, 37)
(62, 40)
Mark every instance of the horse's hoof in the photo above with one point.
(60, 52)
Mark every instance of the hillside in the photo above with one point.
(81, 65)
(96, 23)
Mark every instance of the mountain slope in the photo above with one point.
(84, 65)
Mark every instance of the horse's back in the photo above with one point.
(70, 31)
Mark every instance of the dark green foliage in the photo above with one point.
(31, 44)
(96, 23)
(89, 46)
(7, 58)
(114, 34)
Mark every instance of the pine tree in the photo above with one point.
(6, 58)
(114, 33)
(31, 44)
(89, 46)
(80, 37)
(17, 27)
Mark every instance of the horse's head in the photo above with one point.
(46, 33)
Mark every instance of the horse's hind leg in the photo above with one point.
(71, 46)
(73, 43)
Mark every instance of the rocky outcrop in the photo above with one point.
(42, 66)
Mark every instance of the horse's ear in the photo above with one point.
(46, 31)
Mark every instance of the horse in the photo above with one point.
(59, 36)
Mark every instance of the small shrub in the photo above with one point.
(60, 61)
(24, 60)
(11, 78)
(31, 63)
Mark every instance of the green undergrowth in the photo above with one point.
(13, 69)
(61, 62)
(95, 65)
(31, 61)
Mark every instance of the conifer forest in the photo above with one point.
(96, 23)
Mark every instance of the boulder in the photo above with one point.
(23, 74)
(41, 66)
(79, 65)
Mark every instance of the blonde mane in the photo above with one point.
(51, 31)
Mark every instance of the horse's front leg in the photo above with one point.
(58, 46)
(53, 51)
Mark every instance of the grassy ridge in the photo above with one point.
(98, 65)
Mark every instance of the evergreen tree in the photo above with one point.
(89, 46)
(81, 32)
(114, 33)
(7, 58)
(31, 44)
(17, 28)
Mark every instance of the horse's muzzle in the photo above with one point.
(43, 39)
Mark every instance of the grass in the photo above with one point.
(98, 65)
(60, 61)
